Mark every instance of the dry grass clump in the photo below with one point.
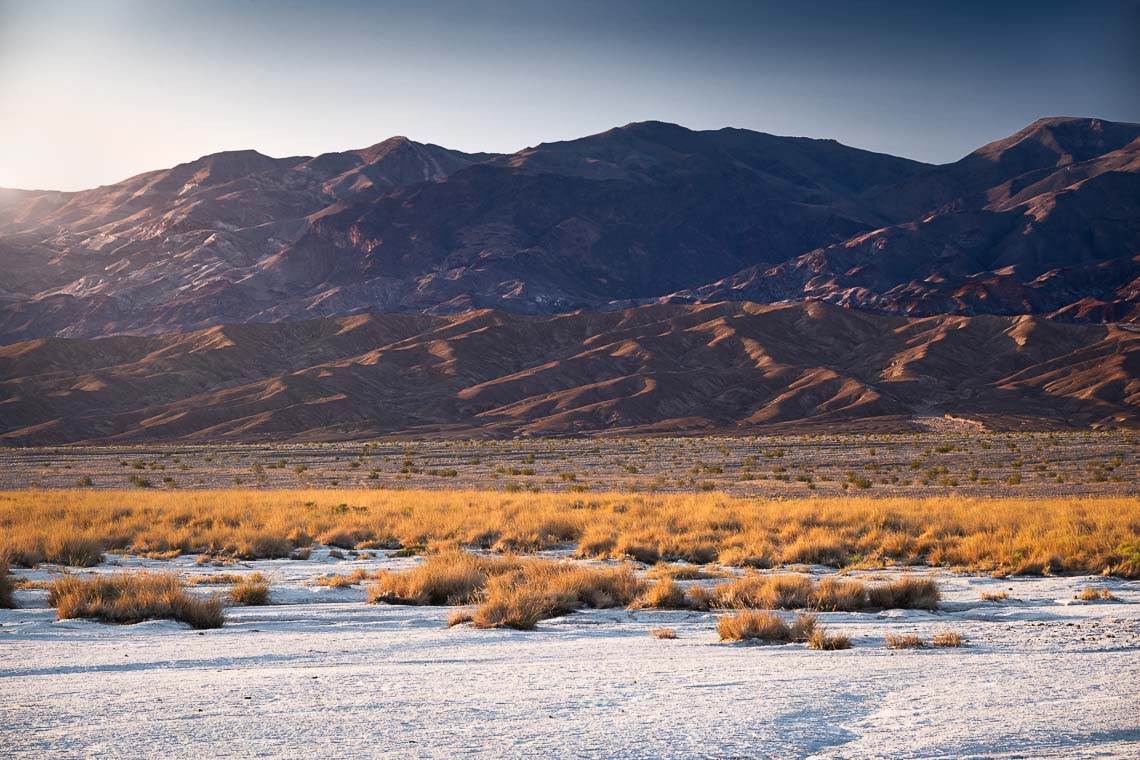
(766, 592)
(1096, 595)
(909, 641)
(132, 598)
(905, 594)
(683, 572)
(947, 639)
(835, 595)
(994, 596)
(663, 633)
(819, 639)
(252, 590)
(449, 578)
(355, 578)
(1078, 535)
(6, 588)
(460, 616)
(214, 579)
(665, 594)
(749, 626)
(542, 589)
(789, 592)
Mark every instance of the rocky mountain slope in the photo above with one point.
(1046, 221)
(727, 367)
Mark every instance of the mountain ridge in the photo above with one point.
(1045, 221)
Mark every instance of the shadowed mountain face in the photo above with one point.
(728, 367)
(1046, 221)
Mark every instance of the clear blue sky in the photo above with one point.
(93, 92)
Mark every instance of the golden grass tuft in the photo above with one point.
(947, 639)
(995, 596)
(909, 641)
(683, 572)
(819, 639)
(128, 598)
(787, 591)
(214, 579)
(460, 616)
(542, 589)
(355, 578)
(753, 626)
(905, 594)
(1078, 535)
(766, 592)
(251, 590)
(1096, 595)
(452, 577)
(7, 586)
(663, 633)
(665, 594)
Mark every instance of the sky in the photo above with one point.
(94, 92)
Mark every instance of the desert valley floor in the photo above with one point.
(1032, 540)
(1040, 675)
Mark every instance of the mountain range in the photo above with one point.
(1044, 222)
(646, 279)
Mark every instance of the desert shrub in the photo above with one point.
(909, 641)
(214, 579)
(1095, 595)
(819, 639)
(947, 639)
(804, 626)
(639, 551)
(682, 572)
(766, 592)
(994, 596)
(251, 591)
(543, 589)
(132, 598)
(341, 538)
(735, 556)
(301, 554)
(905, 594)
(665, 594)
(748, 625)
(460, 616)
(448, 578)
(342, 581)
(834, 595)
(74, 551)
(662, 633)
(699, 597)
(6, 588)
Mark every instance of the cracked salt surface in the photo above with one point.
(320, 672)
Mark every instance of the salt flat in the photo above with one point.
(320, 671)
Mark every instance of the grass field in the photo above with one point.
(1022, 536)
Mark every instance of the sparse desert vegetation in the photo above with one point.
(1096, 595)
(1095, 535)
(965, 464)
(663, 633)
(947, 639)
(127, 598)
(767, 627)
(905, 641)
(251, 590)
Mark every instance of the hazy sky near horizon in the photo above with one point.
(93, 92)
